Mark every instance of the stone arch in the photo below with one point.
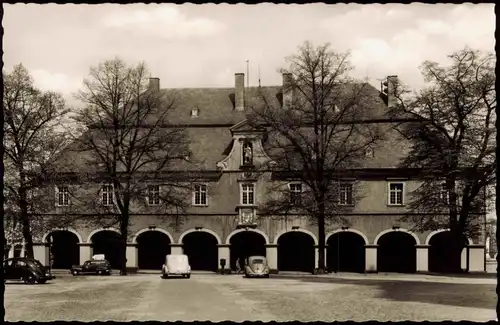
(435, 232)
(189, 231)
(417, 240)
(80, 239)
(365, 238)
(138, 233)
(89, 238)
(305, 231)
(260, 232)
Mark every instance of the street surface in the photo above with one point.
(232, 297)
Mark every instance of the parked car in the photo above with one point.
(27, 269)
(256, 266)
(98, 267)
(176, 265)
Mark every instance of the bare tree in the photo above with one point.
(317, 137)
(32, 138)
(453, 145)
(130, 144)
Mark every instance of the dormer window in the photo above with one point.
(194, 111)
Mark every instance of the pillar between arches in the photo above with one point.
(131, 256)
(316, 256)
(371, 258)
(41, 253)
(422, 258)
(86, 252)
(272, 257)
(223, 253)
(176, 249)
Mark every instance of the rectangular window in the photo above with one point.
(107, 195)
(247, 194)
(295, 192)
(62, 196)
(396, 193)
(153, 194)
(444, 196)
(345, 194)
(200, 194)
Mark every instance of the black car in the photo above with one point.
(27, 269)
(100, 267)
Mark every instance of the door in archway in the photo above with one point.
(440, 259)
(201, 249)
(64, 251)
(397, 253)
(296, 252)
(152, 247)
(107, 242)
(245, 244)
(346, 252)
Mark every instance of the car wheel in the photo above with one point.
(267, 275)
(99, 272)
(42, 281)
(75, 273)
(29, 279)
(188, 276)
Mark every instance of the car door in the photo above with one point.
(8, 269)
(86, 267)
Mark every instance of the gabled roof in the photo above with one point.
(210, 132)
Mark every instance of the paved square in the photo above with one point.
(232, 297)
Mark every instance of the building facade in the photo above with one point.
(223, 221)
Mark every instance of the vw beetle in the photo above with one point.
(256, 266)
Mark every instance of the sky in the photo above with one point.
(204, 45)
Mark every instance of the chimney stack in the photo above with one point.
(239, 91)
(287, 90)
(154, 84)
(389, 89)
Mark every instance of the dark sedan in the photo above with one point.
(99, 267)
(27, 269)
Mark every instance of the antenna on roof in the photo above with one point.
(258, 67)
(248, 74)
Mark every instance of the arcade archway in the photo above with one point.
(64, 249)
(201, 248)
(107, 242)
(397, 253)
(152, 247)
(440, 259)
(245, 244)
(296, 252)
(346, 252)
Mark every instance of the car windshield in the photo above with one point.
(257, 261)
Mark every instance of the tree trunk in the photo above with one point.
(321, 238)
(123, 246)
(456, 244)
(25, 221)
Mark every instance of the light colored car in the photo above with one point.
(176, 265)
(256, 266)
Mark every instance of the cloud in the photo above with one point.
(164, 21)
(53, 81)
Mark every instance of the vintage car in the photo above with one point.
(176, 265)
(256, 266)
(27, 269)
(97, 265)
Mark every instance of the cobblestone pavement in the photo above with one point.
(232, 297)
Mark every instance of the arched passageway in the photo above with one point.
(245, 244)
(64, 249)
(152, 247)
(201, 248)
(107, 242)
(296, 252)
(440, 259)
(397, 253)
(346, 252)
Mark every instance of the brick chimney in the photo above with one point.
(392, 83)
(287, 90)
(239, 91)
(154, 84)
